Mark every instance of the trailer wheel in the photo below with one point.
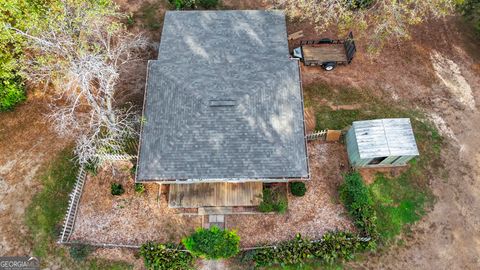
(329, 66)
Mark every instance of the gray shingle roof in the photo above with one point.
(223, 100)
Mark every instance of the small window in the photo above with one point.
(376, 160)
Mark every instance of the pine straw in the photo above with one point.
(312, 215)
(130, 218)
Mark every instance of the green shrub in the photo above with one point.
(471, 11)
(332, 247)
(12, 92)
(133, 170)
(208, 3)
(92, 167)
(130, 20)
(360, 4)
(297, 188)
(79, 252)
(356, 198)
(274, 200)
(213, 243)
(139, 188)
(165, 257)
(182, 4)
(116, 189)
(336, 246)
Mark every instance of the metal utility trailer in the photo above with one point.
(327, 53)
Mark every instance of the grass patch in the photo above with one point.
(398, 201)
(338, 120)
(148, 13)
(45, 214)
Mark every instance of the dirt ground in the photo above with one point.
(26, 145)
(312, 215)
(131, 218)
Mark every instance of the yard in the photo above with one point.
(436, 72)
(312, 215)
(134, 218)
(131, 218)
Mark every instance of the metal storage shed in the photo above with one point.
(382, 142)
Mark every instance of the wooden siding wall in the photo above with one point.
(352, 148)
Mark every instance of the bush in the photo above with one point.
(360, 4)
(11, 93)
(274, 200)
(165, 257)
(139, 188)
(133, 170)
(80, 252)
(213, 243)
(182, 4)
(331, 248)
(117, 189)
(288, 252)
(337, 246)
(92, 167)
(356, 197)
(471, 10)
(297, 188)
(208, 3)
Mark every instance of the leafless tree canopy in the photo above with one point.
(80, 55)
(382, 20)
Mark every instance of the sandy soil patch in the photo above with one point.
(449, 73)
(130, 218)
(26, 144)
(314, 214)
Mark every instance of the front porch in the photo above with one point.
(224, 194)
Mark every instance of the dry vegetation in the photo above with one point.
(130, 218)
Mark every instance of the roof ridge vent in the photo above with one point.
(222, 102)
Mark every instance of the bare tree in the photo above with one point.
(80, 55)
(381, 20)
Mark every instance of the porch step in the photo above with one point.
(214, 220)
(221, 210)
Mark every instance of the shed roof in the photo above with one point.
(223, 100)
(385, 138)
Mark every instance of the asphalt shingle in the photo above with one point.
(223, 100)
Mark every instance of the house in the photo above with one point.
(382, 142)
(223, 110)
